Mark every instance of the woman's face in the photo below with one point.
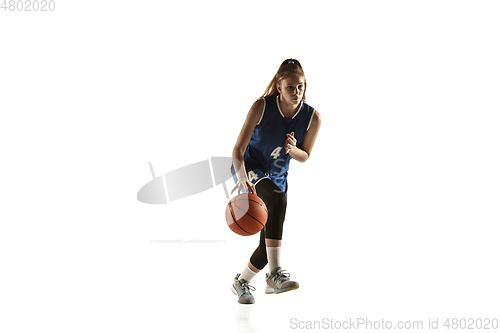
(292, 88)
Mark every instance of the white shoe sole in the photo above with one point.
(270, 290)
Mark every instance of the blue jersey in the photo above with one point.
(266, 149)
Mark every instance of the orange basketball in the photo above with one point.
(246, 214)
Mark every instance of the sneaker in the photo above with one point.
(242, 289)
(279, 282)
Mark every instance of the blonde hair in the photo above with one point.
(287, 68)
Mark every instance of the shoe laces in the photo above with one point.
(245, 287)
(281, 276)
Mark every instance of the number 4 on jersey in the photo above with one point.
(276, 152)
(252, 176)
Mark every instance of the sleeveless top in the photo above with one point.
(266, 149)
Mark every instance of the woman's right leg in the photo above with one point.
(271, 234)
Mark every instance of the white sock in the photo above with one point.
(273, 257)
(247, 274)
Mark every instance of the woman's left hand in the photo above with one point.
(291, 142)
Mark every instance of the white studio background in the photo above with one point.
(394, 216)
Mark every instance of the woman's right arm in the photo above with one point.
(251, 121)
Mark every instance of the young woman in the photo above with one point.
(279, 126)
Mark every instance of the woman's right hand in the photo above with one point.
(244, 184)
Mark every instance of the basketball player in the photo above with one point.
(279, 126)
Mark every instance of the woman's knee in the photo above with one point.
(280, 200)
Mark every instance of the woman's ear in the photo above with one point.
(278, 86)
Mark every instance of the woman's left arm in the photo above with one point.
(303, 154)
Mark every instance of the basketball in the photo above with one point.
(246, 214)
